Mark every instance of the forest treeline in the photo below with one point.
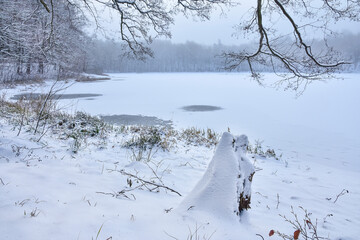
(193, 57)
(36, 45)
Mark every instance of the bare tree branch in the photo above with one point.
(45, 6)
(281, 52)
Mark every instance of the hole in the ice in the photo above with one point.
(135, 120)
(201, 108)
(34, 96)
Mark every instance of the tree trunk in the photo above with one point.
(28, 68)
(19, 68)
(247, 172)
(41, 67)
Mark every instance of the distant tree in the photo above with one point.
(68, 42)
(141, 20)
(18, 35)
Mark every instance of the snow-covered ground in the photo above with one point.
(317, 134)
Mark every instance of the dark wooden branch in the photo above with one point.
(300, 38)
(297, 57)
(45, 6)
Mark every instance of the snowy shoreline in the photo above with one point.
(49, 192)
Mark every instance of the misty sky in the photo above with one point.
(219, 28)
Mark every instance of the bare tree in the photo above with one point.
(292, 51)
(142, 20)
(34, 43)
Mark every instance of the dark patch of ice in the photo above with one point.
(86, 79)
(34, 96)
(201, 108)
(135, 120)
(118, 79)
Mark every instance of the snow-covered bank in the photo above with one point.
(321, 125)
(48, 192)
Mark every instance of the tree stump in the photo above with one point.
(247, 172)
(225, 188)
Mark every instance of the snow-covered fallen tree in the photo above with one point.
(225, 188)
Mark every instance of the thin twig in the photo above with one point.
(170, 236)
(149, 183)
(155, 174)
(260, 236)
(343, 192)
(117, 194)
(22, 122)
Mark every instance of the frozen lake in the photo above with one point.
(321, 125)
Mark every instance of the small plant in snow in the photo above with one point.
(270, 153)
(34, 213)
(146, 141)
(79, 128)
(98, 233)
(257, 149)
(145, 138)
(305, 228)
(200, 137)
(194, 234)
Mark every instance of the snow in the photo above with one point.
(226, 177)
(318, 135)
(216, 192)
